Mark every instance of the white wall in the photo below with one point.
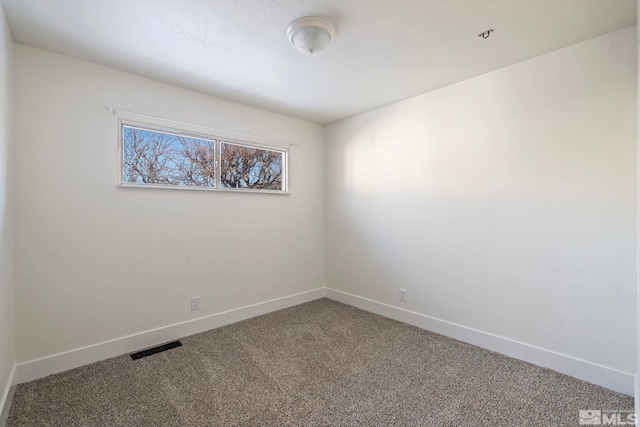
(505, 203)
(7, 335)
(637, 384)
(95, 262)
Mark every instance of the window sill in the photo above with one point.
(194, 188)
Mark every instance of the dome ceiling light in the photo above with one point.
(310, 34)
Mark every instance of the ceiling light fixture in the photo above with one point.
(310, 34)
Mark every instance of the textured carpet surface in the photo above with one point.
(317, 364)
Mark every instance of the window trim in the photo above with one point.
(209, 137)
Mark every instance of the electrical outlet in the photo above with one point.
(403, 295)
(195, 303)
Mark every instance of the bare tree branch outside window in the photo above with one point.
(155, 157)
(248, 167)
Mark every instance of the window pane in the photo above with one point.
(153, 157)
(248, 167)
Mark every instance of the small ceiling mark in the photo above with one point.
(486, 34)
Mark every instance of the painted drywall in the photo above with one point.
(504, 203)
(95, 262)
(637, 384)
(7, 330)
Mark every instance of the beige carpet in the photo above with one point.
(318, 364)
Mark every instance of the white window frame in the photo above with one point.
(218, 140)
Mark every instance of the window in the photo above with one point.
(152, 156)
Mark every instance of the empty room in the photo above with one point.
(318, 213)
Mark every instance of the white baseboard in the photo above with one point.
(596, 374)
(39, 368)
(5, 401)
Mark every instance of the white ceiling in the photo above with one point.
(384, 51)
